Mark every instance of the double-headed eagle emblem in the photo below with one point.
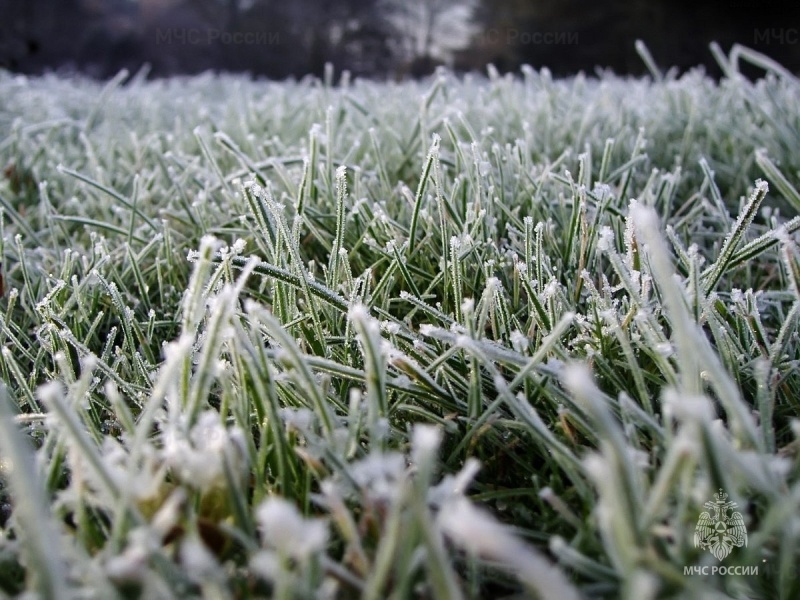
(716, 531)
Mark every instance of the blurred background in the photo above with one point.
(384, 38)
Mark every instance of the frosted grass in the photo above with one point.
(458, 338)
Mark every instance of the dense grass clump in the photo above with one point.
(461, 338)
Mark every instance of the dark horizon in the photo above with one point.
(383, 38)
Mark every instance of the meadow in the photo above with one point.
(476, 336)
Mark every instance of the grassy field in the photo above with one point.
(468, 337)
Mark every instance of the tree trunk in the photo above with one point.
(233, 15)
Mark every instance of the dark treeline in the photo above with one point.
(382, 38)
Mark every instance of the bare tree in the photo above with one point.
(430, 30)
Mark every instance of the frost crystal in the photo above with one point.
(199, 458)
(474, 529)
(238, 246)
(284, 529)
(390, 327)
(425, 441)
(427, 329)
(196, 559)
(358, 312)
(605, 240)
(379, 473)
(518, 341)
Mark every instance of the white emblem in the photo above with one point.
(716, 531)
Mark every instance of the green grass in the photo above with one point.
(460, 338)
